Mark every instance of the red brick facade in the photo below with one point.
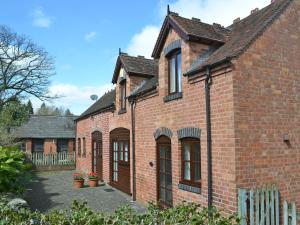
(254, 104)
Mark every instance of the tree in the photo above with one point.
(68, 112)
(25, 68)
(12, 115)
(43, 110)
(29, 107)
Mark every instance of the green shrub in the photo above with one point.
(14, 172)
(80, 214)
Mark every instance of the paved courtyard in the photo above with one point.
(54, 190)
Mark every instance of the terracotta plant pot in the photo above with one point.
(93, 183)
(78, 183)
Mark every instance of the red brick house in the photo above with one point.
(47, 134)
(217, 109)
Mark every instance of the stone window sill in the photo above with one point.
(189, 188)
(172, 97)
(122, 111)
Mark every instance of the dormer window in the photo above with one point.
(175, 73)
(123, 95)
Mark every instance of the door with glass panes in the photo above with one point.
(97, 154)
(164, 172)
(120, 159)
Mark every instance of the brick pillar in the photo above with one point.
(71, 145)
(28, 146)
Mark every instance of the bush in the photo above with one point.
(14, 172)
(80, 214)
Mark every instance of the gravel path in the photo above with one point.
(54, 190)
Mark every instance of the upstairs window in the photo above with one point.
(191, 163)
(62, 145)
(175, 74)
(123, 95)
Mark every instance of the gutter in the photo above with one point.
(208, 83)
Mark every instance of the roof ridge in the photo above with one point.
(137, 57)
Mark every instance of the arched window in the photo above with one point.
(190, 162)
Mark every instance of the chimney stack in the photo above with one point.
(196, 19)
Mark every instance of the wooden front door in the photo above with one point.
(164, 172)
(120, 160)
(97, 154)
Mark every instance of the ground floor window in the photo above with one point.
(62, 145)
(190, 162)
(37, 145)
(78, 147)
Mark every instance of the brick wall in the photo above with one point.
(267, 107)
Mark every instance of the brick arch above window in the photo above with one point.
(189, 132)
(172, 46)
(162, 131)
(96, 130)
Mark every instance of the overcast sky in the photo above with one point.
(84, 36)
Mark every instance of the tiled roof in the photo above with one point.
(47, 127)
(244, 32)
(189, 29)
(196, 28)
(136, 65)
(107, 101)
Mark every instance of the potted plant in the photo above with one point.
(93, 179)
(78, 180)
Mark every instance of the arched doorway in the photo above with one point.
(97, 154)
(164, 171)
(120, 159)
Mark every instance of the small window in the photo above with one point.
(23, 146)
(123, 95)
(79, 147)
(84, 147)
(38, 145)
(191, 163)
(175, 73)
(123, 151)
(62, 145)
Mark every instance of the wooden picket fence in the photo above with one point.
(290, 214)
(52, 159)
(259, 206)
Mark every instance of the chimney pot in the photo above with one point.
(237, 20)
(196, 19)
(141, 56)
(254, 10)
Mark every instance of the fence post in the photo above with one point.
(285, 213)
(243, 206)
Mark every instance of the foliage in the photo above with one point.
(12, 115)
(25, 68)
(46, 110)
(80, 214)
(93, 176)
(14, 171)
(78, 176)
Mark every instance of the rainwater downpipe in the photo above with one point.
(208, 83)
(133, 104)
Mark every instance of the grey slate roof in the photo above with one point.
(105, 102)
(136, 65)
(47, 127)
(244, 32)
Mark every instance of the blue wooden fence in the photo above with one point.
(259, 206)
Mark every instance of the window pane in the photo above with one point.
(38, 145)
(179, 72)
(126, 157)
(162, 180)
(187, 171)
(187, 152)
(197, 172)
(169, 181)
(162, 166)
(169, 197)
(121, 150)
(172, 69)
(162, 194)
(168, 166)
(162, 152)
(197, 151)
